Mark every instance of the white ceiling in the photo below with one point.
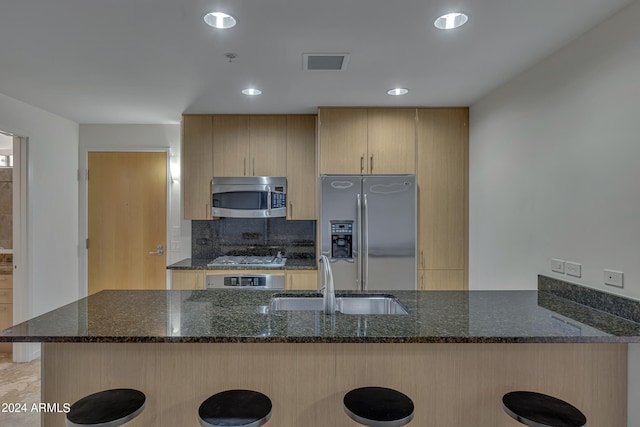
(148, 61)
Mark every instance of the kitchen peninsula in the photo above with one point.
(455, 353)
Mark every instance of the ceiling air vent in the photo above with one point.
(324, 61)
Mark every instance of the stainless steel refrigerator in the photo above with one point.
(368, 230)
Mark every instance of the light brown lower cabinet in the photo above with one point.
(6, 307)
(441, 280)
(187, 279)
(302, 280)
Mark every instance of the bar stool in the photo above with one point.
(539, 410)
(108, 408)
(378, 407)
(235, 408)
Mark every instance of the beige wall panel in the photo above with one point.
(197, 166)
(391, 141)
(231, 145)
(452, 385)
(342, 140)
(268, 151)
(301, 167)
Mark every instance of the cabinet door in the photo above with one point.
(268, 145)
(391, 141)
(301, 167)
(197, 167)
(187, 279)
(231, 146)
(441, 280)
(302, 280)
(342, 140)
(443, 163)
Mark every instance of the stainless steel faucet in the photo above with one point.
(326, 287)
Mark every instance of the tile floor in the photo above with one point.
(19, 383)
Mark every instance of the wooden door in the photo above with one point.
(127, 220)
(197, 166)
(231, 146)
(391, 141)
(443, 194)
(342, 140)
(268, 145)
(301, 167)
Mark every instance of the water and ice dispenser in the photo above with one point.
(342, 240)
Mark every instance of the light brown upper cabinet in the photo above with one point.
(301, 167)
(367, 140)
(197, 167)
(443, 192)
(342, 140)
(391, 140)
(249, 145)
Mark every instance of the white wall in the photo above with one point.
(52, 217)
(555, 165)
(113, 137)
(555, 171)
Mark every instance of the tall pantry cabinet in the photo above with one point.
(443, 198)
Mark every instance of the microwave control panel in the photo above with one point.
(278, 200)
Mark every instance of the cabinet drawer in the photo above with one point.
(6, 296)
(6, 316)
(6, 281)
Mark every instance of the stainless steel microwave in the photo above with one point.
(249, 196)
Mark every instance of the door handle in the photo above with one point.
(371, 165)
(158, 252)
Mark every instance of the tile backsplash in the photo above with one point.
(255, 236)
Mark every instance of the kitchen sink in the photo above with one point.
(351, 304)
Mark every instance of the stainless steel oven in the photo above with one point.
(249, 196)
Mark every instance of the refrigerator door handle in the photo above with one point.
(359, 240)
(365, 244)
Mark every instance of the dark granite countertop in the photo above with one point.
(222, 316)
(201, 264)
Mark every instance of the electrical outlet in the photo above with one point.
(557, 265)
(614, 278)
(573, 269)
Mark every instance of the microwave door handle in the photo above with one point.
(269, 201)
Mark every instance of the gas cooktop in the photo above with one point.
(249, 261)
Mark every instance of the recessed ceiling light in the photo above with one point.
(451, 21)
(220, 20)
(398, 91)
(251, 91)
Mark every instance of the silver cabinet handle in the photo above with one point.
(291, 209)
(158, 252)
(244, 167)
(254, 166)
(371, 166)
(361, 163)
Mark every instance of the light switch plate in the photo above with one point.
(573, 269)
(557, 265)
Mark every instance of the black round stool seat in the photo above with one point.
(378, 407)
(233, 408)
(539, 410)
(108, 408)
